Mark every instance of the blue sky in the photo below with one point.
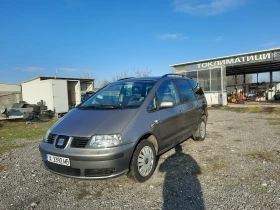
(107, 37)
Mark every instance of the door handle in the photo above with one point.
(154, 123)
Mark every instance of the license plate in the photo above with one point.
(58, 160)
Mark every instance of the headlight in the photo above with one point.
(106, 140)
(45, 139)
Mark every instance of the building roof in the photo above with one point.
(60, 78)
(3, 83)
(219, 58)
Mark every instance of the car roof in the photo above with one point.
(154, 78)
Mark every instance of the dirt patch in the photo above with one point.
(213, 166)
(98, 194)
(83, 193)
(264, 156)
(2, 168)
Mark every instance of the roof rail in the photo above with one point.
(125, 78)
(178, 75)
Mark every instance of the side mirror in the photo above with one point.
(166, 104)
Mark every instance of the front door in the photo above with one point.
(171, 122)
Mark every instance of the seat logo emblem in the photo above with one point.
(60, 141)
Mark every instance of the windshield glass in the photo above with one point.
(120, 95)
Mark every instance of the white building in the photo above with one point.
(58, 94)
(9, 94)
(256, 73)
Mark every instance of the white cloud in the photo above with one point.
(172, 36)
(68, 69)
(206, 7)
(218, 39)
(31, 68)
(269, 44)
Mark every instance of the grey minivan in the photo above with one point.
(122, 128)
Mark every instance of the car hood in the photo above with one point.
(86, 123)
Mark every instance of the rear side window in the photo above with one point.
(185, 90)
(192, 83)
(197, 90)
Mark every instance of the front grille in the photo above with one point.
(61, 141)
(99, 172)
(51, 138)
(63, 169)
(79, 142)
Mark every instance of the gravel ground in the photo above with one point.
(236, 167)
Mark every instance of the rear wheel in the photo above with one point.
(143, 162)
(200, 133)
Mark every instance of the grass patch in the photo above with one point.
(274, 123)
(19, 129)
(6, 146)
(213, 166)
(11, 130)
(264, 156)
(272, 119)
(268, 110)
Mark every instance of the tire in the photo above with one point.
(145, 155)
(200, 133)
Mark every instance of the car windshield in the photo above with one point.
(120, 95)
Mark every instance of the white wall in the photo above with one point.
(216, 98)
(208, 98)
(71, 87)
(78, 92)
(60, 95)
(86, 87)
(53, 92)
(9, 87)
(276, 86)
(34, 91)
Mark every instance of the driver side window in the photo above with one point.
(167, 92)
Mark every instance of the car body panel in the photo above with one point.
(169, 126)
(87, 122)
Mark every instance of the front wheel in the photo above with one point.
(143, 162)
(200, 133)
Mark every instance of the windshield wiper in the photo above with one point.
(100, 106)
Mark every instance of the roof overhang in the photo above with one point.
(61, 78)
(225, 57)
(253, 68)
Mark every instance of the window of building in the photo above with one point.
(264, 77)
(216, 82)
(192, 74)
(276, 76)
(251, 78)
(231, 80)
(203, 78)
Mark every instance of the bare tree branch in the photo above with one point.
(87, 75)
(136, 73)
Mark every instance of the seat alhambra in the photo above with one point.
(123, 127)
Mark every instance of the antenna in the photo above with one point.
(56, 74)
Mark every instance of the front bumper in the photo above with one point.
(89, 163)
